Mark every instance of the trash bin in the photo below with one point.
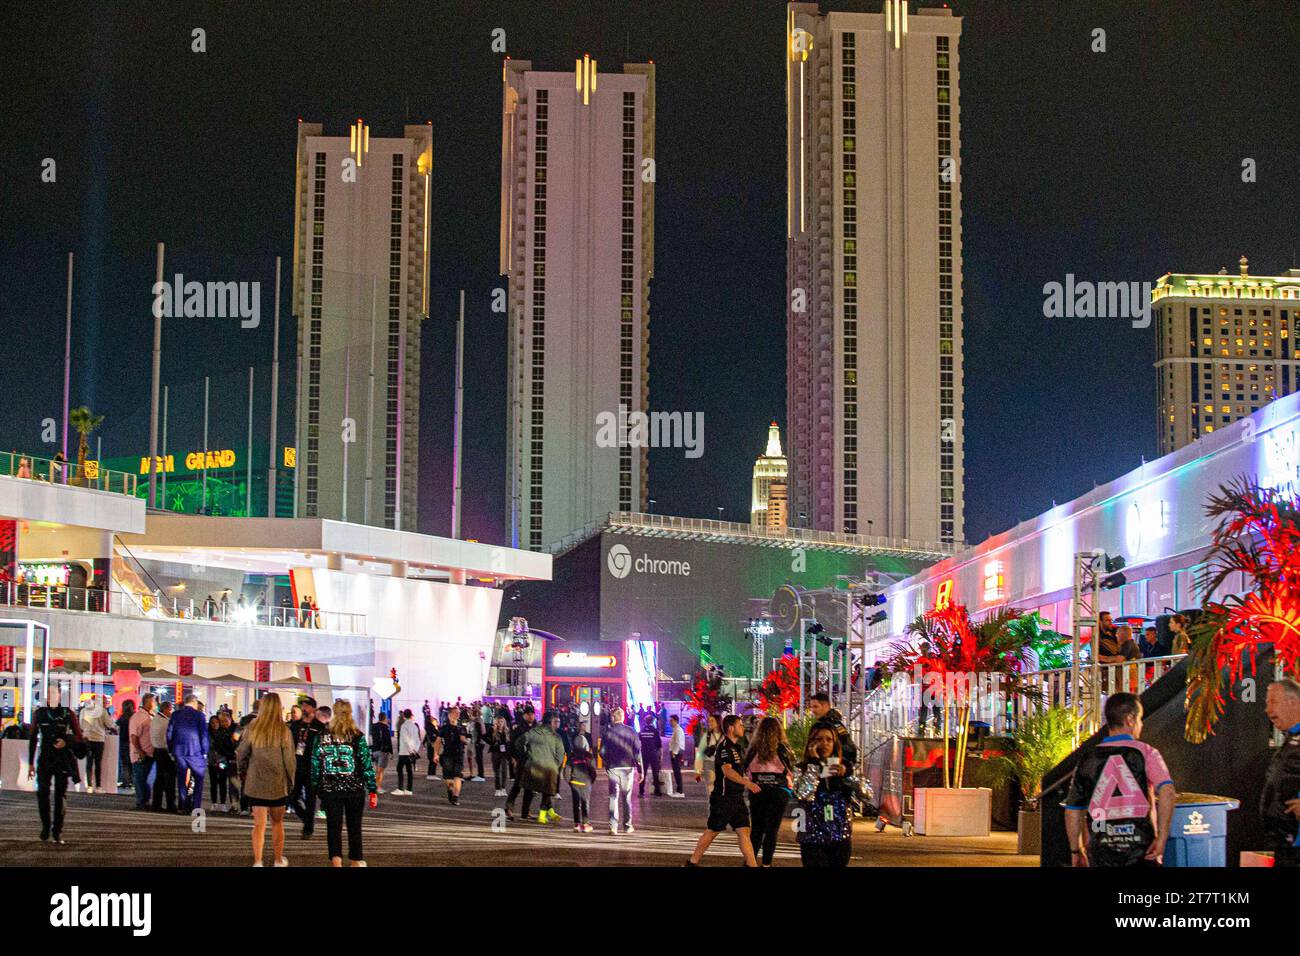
(1198, 835)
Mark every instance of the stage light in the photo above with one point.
(1113, 581)
(877, 617)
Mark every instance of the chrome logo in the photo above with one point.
(619, 560)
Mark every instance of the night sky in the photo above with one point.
(1118, 166)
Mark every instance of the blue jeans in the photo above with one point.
(620, 795)
(140, 777)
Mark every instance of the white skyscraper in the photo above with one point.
(874, 366)
(577, 242)
(360, 291)
(769, 468)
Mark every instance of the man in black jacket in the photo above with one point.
(518, 755)
(1279, 800)
(57, 735)
(652, 746)
(305, 732)
(826, 716)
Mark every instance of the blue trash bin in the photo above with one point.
(1198, 835)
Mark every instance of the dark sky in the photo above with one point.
(1115, 166)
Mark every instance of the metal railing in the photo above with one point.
(897, 708)
(158, 605)
(58, 472)
(668, 525)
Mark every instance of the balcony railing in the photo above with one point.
(159, 606)
(896, 708)
(58, 472)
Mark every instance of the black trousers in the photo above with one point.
(478, 756)
(528, 801)
(45, 780)
(164, 785)
(515, 787)
(337, 810)
(766, 808)
(499, 764)
(677, 773)
(217, 789)
(406, 762)
(826, 854)
(653, 764)
(94, 763)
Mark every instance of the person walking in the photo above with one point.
(221, 760)
(523, 724)
(770, 764)
(188, 745)
(621, 752)
(52, 752)
(706, 749)
(543, 760)
(342, 774)
(381, 749)
(267, 770)
(677, 753)
(452, 740)
(498, 740)
(164, 778)
(826, 837)
(478, 735)
(305, 730)
(142, 750)
(430, 744)
(582, 777)
(408, 751)
(727, 802)
(652, 746)
(125, 779)
(95, 725)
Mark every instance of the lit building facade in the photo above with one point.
(360, 291)
(1225, 347)
(770, 470)
(577, 243)
(874, 314)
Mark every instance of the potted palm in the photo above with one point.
(956, 660)
(1041, 740)
(84, 421)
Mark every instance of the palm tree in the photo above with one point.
(1259, 535)
(84, 421)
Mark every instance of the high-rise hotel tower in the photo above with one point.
(577, 243)
(874, 369)
(360, 291)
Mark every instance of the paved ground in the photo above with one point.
(424, 830)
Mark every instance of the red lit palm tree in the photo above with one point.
(945, 649)
(1259, 535)
(779, 691)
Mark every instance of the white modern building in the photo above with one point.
(874, 343)
(360, 291)
(1153, 517)
(1225, 347)
(577, 243)
(187, 601)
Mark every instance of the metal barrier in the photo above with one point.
(156, 605)
(59, 472)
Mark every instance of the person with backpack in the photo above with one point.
(408, 751)
(543, 761)
(518, 755)
(381, 749)
(582, 777)
(343, 776)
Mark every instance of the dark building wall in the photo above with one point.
(568, 605)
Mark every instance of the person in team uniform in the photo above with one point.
(56, 738)
(1115, 785)
(454, 736)
(727, 806)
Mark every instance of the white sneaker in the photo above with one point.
(477, 779)
(430, 776)
(381, 791)
(283, 861)
(258, 863)
(359, 864)
(676, 795)
(629, 829)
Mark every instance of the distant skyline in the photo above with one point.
(1114, 166)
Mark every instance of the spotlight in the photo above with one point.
(1114, 563)
(1113, 581)
(815, 627)
(871, 599)
(877, 617)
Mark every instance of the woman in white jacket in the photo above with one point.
(409, 738)
(95, 724)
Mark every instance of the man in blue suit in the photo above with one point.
(187, 742)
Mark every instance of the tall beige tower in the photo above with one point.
(770, 471)
(1225, 347)
(360, 291)
(577, 243)
(874, 318)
